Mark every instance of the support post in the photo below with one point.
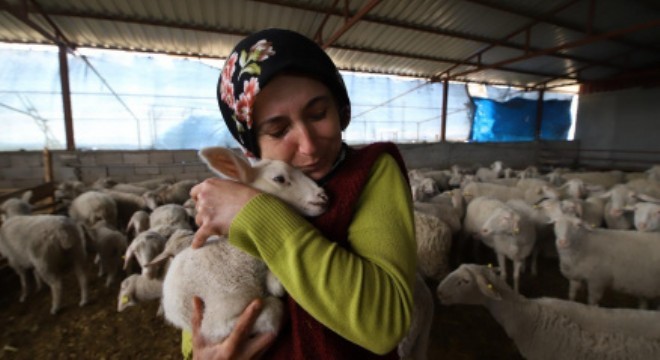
(66, 99)
(539, 115)
(443, 129)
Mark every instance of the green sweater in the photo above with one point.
(323, 277)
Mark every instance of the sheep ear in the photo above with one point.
(226, 162)
(486, 287)
(27, 196)
(127, 258)
(605, 195)
(647, 198)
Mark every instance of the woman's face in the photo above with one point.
(296, 121)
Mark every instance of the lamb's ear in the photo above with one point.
(27, 196)
(648, 198)
(605, 195)
(226, 162)
(486, 287)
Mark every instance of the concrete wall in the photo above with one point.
(26, 168)
(619, 129)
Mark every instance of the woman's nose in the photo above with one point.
(306, 141)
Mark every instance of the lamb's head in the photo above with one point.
(502, 221)
(647, 216)
(621, 198)
(568, 231)
(271, 176)
(469, 284)
(15, 206)
(126, 296)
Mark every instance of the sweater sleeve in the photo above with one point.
(364, 294)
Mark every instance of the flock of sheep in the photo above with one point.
(603, 227)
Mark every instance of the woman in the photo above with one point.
(349, 272)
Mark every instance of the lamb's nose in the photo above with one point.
(323, 197)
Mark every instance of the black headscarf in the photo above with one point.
(255, 61)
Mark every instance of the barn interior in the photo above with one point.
(490, 74)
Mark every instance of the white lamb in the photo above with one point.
(144, 248)
(547, 328)
(433, 245)
(625, 261)
(226, 278)
(16, 206)
(136, 289)
(138, 223)
(48, 243)
(180, 240)
(176, 193)
(647, 217)
(165, 219)
(93, 206)
(109, 244)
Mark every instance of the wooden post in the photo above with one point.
(539, 115)
(443, 129)
(48, 165)
(66, 100)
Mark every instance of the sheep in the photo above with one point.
(433, 245)
(138, 223)
(109, 245)
(16, 206)
(177, 242)
(654, 173)
(647, 217)
(176, 193)
(127, 205)
(495, 171)
(605, 179)
(512, 234)
(138, 288)
(165, 219)
(68, 190)
(647, 187)
(477, 213)
(619, 199)
(146, 246)
(423, 188)
(625, 261)
(505, 193)
(415, 344)
(224, 277)
(548, 328)
(448, 214)
(49, 244)
(93, 206)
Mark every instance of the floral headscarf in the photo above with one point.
(255, 61)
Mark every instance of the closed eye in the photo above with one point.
(279, 179)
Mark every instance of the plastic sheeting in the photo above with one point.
(515, 120)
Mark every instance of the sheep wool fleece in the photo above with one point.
(332, 308)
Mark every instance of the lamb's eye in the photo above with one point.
(279, 179)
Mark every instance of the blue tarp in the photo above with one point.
(515, 120)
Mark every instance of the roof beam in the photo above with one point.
(350, 22)
(553, 21)
(584, 41)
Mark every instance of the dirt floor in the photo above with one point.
(97, 331)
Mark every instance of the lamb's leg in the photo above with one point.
(573, 288)
(37, 281)
(270, 318)
(517, 265)
(596, 291)
(501, 261)
(24, 285)
(55, 284)
(78, 268)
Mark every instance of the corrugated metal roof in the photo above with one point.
(531, 43)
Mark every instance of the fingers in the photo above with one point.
(244, 324)
(201, 235)
(257, 346)
(196, 323)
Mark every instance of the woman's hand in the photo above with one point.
(239, 344)
(217, 202)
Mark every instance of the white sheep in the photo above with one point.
(647, 217)
(138, 223)
(144, 248)
(48, 243)
(180, 240)
(547, 328)
(495, 171)
(433, 245)
(224, 277)
(136, 289)
(619, 199)
(176, 193)
(625, 261)
(606, 179)
(93, 206)
(505, 193)
(16, 206)
(127, 205)
(110, 245)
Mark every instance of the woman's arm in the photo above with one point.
(364, 294)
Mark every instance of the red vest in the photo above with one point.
(302, 337)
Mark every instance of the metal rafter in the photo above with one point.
(350, 22)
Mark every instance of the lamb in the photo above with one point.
(619, 198)
(177, 242)
(16, 206)
(433, 245)
(127, 205)
(625, 261)
(605, 179)
(92, 207)
(423, 188)
(226, 278)
(647, 217)
(146, 246)
(176, 193)
(68, 190)
(109, 245)
(547, 328)
(49, 244)
(512, 234)
(505, 193)
(495, 171)
(136, 289)
(138, 223)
